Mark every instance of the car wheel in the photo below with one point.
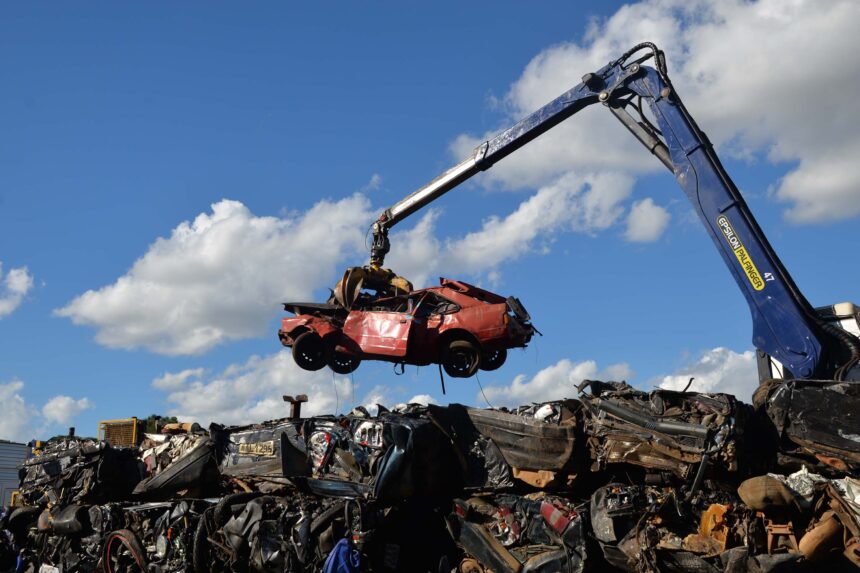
(340, 362)
(493, 359)
(123, 553)
(208, 553)
(308, 351)
(229, 504)
(461, 359)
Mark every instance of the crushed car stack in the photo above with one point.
(618, 479)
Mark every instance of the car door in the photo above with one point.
(378, 331)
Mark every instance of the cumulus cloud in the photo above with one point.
(376, 395)
(374, 183)
(718, 370)
(222, 276)
(62, 409)
(22, 421)
(252, 391)
(176, 380)
(767, 77)
(646, 222)
(423, 399)
(13, 288)
(553, 382)
(16, 421)
(571, 203)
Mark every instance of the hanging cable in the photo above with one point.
(482, 391)
(336, 395)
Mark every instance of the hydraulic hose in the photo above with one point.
(672, 428)
(850, 342)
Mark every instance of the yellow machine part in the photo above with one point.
(384, 281)
(120, 433)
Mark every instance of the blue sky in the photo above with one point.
(121, 126)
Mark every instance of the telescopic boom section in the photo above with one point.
(785, 326)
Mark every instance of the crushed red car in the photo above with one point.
(460, 326)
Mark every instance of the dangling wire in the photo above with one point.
(478, 380)
(336, 395)
(366, 245)
(351, 390)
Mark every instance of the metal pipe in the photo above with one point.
(654, 145)
(432, 191)
(672, 428)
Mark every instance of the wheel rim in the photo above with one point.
(121, 558)
(461, 361)
(219, 554)
(493, 359)
(343, 363)
(211, 552)
(308, 351)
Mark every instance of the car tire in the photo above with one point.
(340, 362)
(461, 359)
(308, 351)
(224, 508)
(123, 552)
(205, 555)
(493, 359)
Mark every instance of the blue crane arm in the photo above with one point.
(785, 326)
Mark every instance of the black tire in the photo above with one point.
(461, 359)
(493, 359)
(205, 555)
(308, 351)
(200, 546)
(123, 553)
(340, 362)
(224, 508)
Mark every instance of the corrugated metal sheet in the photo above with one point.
(11, 456)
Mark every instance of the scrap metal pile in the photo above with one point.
(618, 479)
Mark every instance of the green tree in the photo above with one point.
(154, 422)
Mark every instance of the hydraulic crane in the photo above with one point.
(794, 339)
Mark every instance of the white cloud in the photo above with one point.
(222, 276)
(718, 370)
(252, 391)
(646, 222)
(15, 287)
(16, 421)
(62, 409)
(377, 395)
(553, 382)
(572, 203)
(423, 399)
(176, 380)
(374, 183)
(22, 421)
(767, 77)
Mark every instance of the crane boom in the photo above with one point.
(785, 326)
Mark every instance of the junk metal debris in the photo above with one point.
(616, 479)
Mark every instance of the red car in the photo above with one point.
(458, 325)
